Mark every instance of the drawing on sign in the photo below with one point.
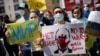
(62, 38)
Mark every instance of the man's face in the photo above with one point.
(62, 39)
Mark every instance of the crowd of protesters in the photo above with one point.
(56, 17)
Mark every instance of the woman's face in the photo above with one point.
(77, 13)
(33, 16)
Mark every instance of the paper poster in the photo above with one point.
(94, 16)
(22, 32)
(36, 4)
(63, 39)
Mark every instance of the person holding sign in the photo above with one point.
(36, 49)
(77, 14)
(11, 49)
(24, 48)
(61, 42)
(93, 28)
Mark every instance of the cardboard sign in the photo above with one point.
(63, 39)
(22, 32)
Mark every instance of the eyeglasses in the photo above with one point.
(58, 12)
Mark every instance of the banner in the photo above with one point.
(22, 32)
(63, 39)
(36, 4)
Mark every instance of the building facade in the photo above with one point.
(9, 7)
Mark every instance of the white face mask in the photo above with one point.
(86, 8)
(59, 17)
(22, 12)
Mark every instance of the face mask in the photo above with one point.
(22, 12)
(59, 17)
(86, 8)
(98, 8)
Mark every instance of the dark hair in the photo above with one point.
(36, 12)
(56, 8)
(6, 19)
(77, 7)
(98, 2)
(5, 16)
(65, 14)
(66, 18)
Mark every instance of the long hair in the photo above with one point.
(80, 9)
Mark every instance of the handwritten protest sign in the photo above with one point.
(36, 4)
(63, 39)
(22, 32)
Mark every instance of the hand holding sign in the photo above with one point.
(7, 34)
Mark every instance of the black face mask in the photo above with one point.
(98, 8)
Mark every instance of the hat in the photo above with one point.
(23, 6)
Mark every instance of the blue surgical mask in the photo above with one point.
(58, 17)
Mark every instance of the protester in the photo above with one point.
(36, 49)
(86, 11)
(24, 12)
(95, 50)
(77, 14)
(24, 48)
(59, 18)
(49, 15)
(11, 49)
(43, 21)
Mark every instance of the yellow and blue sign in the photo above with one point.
(22, 32)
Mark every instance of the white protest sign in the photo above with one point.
(94, 16)
(63, 39)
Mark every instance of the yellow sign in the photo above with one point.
(22, 32)
(36, 4)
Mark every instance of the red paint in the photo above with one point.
(47, 35)
(69, 5)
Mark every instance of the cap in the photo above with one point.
(23, 6)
